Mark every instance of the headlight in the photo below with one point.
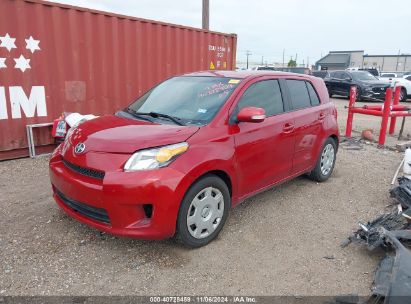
(155, 158)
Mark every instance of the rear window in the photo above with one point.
(299, 94)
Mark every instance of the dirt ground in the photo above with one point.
(285, 241)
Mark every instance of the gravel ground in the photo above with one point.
(285, 241)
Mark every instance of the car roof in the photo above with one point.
(244, 74)
(350, 72)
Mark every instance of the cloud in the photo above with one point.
(267, 27)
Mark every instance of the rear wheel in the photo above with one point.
(403, 95)
(203, 211)
(326, 161)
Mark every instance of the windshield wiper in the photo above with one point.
(176, 120)
(136, 114)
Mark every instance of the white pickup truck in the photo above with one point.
(398, 81)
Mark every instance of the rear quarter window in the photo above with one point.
(313, 94)
(300, 97)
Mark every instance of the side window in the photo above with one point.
(265, 94)
(299, 94)
(313, 95)
(337, 75)
(345, 76)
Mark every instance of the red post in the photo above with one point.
(353, 94)
(396, 102)
(385, 116)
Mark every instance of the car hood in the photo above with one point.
(122, 135)
(375, 83)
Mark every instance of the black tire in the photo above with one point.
(403, 96)
(317, 174)
(358, 96)
(182, 232)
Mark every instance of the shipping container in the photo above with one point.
(57, 58)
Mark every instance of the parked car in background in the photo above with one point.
(368, 86)
(408, 77)
(263, 68)
(179, 157)
(399, 81)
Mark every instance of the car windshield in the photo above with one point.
(190, 99)
(363, 76)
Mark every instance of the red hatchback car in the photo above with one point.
(178, 158)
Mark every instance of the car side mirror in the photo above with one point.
(251, 114)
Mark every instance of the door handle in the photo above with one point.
(288, 128)
(321, 116)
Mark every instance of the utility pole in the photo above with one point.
(247, 53)
(206, 14)
(283, 56)
(262, 60)
(308, 62)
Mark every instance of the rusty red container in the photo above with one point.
(57, 58)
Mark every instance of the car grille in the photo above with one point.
(84, 171)
(379, 89)
(94, 213)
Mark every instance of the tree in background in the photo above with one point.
(292, 63)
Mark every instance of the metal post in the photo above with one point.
(247, 53)
(353, 95)
(396, 102)
(385, 116)
(206, 15)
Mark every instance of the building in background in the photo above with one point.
(388, 63)
(341, 60)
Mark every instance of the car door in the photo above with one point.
(333, 82)
(309, 116)
(346, 82)
(337, 79)
(264, 150)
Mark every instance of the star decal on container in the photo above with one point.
(22, 63)
(32, 44)
(8, 42)
(3, 63)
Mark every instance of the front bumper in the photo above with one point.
(140, 204)
(373, 94)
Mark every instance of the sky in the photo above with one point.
(307, 29)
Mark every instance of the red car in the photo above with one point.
(178, 158)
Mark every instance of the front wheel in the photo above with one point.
(326, 161)
(329, 92)
(203, 211)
